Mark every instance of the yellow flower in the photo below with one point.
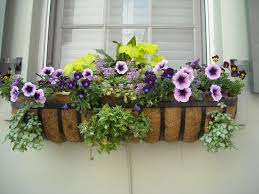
(68, 70)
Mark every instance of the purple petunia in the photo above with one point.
(137, 108)
(14, 93)
(195, 64)
(168, 73)
(150, 78)
(121, 67)
(57, 73)
(182, 95)
(71, 84)
(88, 74)
(78, 75)
(181, 80)
(146, 88)
(133, 75)
(215, 91)
(189, 71)
(39, 96)
(161, 66)
(47, 71)
(29, 89)
(85, 83)
(108, 72)
(213, 72)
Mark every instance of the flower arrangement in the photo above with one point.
(138, 76)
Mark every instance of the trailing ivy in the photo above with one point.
(112, 125)
(221, 129)
(25, 130)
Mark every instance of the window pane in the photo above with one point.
(76, 43)
(124, 35)
(172, 12)
(128, 12)
(175, 45)
(81, 12)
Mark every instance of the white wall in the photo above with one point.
(2, 16)
(157, 169)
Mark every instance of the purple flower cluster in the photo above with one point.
(133, 75)
(182, 81)
(28, 90)
(108, 72)
(150, 80)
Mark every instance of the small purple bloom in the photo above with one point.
(58, 73)
(147, 73)
(189, 71)
(150, 78)
(146, 89)
(213, 72)
(137, 108)
(17, 81)
(139, 88)
(88, 74)
(182, 95)
(14, 93)
(47, 71)
(121, 67)
(195, 64)
(71, 84)
(29, 89)
(133, 75)
(161, 66)
(78, 75)
(107, 72)
(39, 96)
(85, 83)
(65, 107)
(168, 73)
(181, 80)
(99, 64)
(215, 91)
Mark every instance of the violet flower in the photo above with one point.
(181, 80)
(133, 75)
(58, 73)
(14, 93)
(189, 71)
(150, 78)
(213, 72)
(137, 108)
(29, 89)
(39, 96)
(139, 88)
(215, 91)
(71, 84)
(121, 67)
(182, 95)
(195, 64)
(47, 71)
(161, 66)
(168, 73)
(108, 72)
(146, 88)
(88, 74)
(78, 75)
(85, 83)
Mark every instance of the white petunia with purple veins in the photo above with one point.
(39, 96)
(29, 89)
(57, 73)
(213, 72)
(182, 95)
(121, 67)
(189, 71)
(14, 93)
(161, 66)
(47, 71)
(215, 91)
(181, 80)
(88, 74)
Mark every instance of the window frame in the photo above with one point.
(56, 27)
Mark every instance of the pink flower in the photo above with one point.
(39, 96)
(189, 71)
(213, 72)
(181, 80)
(215, 91)
(182, 95)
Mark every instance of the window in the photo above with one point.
(83, 25)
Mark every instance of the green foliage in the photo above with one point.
(221, 129)
(161, 92)
(25, 131)
(112, 125)
(84, 100)
(5, 88)
(119, 87)
(233, 86)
